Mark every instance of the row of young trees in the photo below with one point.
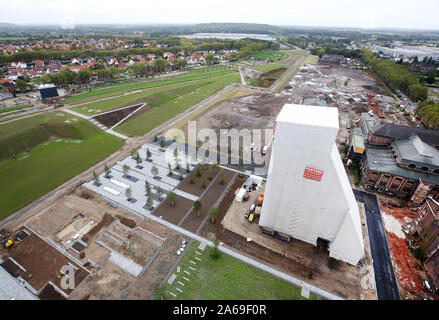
(429, 112)
(395, 76)
(66, 76)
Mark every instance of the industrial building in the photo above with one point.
(48, 91)
(386, 133)
(424, 230)
(407, 168)
(308, 195)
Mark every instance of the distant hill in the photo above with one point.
(6, 25)
(234, 28)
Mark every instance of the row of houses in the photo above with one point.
(39, 67)
(65, 44)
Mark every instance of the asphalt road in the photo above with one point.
(384, 276)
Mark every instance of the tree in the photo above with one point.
(149, 203)
(140, 69)
(215, 252)
(138, 159)
(162, 143)
(107, 171)
(148, 154)
(95, 178)
(203, 183)
(210, 173)
(147, 188)
(221, 178)
(210, 58)
(103, 74)
(170, 169)
(198, 171)
(159, 192)
(133, 152)
(197, 206)
(160, 65)
(21, 84)
(213, 214)
(83, 75)
(187, 168)
(180, 177)
(175, 153)
(191, 178)
(126, 169)
(128, 193)
(154, 171)
(171, 197)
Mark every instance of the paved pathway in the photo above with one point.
(384, 276)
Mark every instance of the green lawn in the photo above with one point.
(290, 75)
(102, 93)
(226, 278)
(204, 70)
(269, 67)
(48, 164)
(14, 108)
(169, 104)
(272, 55)
(311, 59)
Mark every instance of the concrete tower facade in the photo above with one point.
(308, 195)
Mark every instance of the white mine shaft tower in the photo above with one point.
(308, 195)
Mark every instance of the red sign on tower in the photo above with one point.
(313, 174)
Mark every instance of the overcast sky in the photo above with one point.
(419, 14)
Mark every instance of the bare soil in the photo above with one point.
(112, 283)
(42, 263)
(193, 221)
(196, 188)
(49, 293)
(175, 213)
(111, 118)
(300, 259)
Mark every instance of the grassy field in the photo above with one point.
(204, 70)
(269, 67)
(226, 278)
(48, 162)
(117, 90)
(271, 55)
(14, 108)
(167, 105)
(311, 59)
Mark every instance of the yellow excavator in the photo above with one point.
(9, 243)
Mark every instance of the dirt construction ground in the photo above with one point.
(409, 271)
(300, 259)
(87, 214)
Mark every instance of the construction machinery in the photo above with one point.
(260, 199)
(8, 243)
(258, 210)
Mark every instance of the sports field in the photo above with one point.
(224, 278)
(55, 153)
